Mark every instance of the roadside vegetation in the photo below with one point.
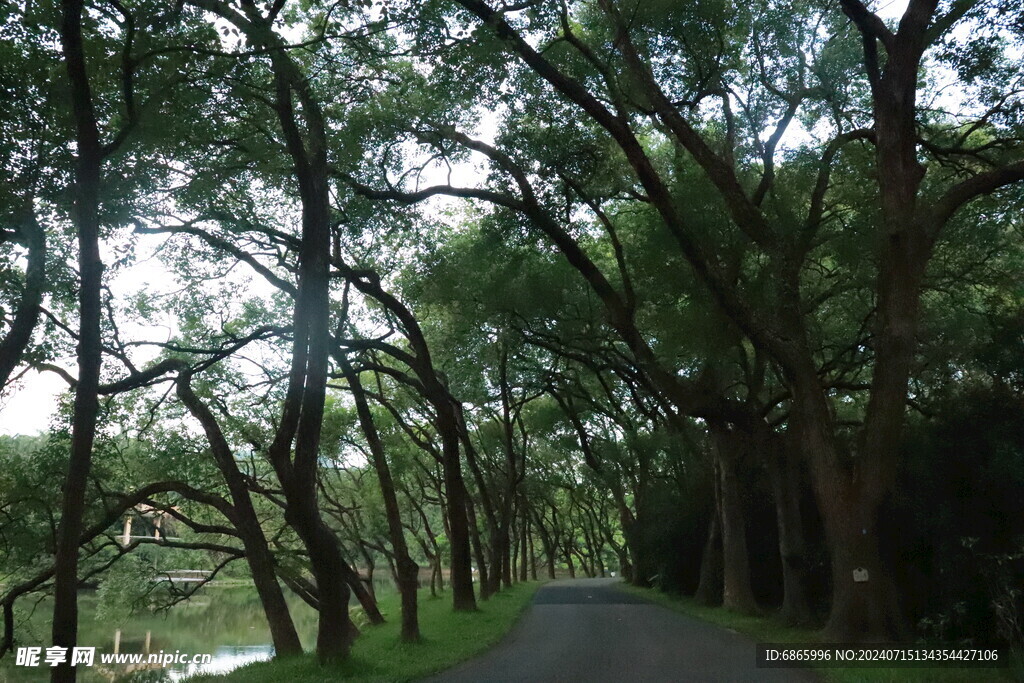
(768, 628)
(379, 655)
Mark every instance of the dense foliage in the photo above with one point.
(723, 297)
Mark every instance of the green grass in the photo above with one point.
(448, 638)
(768, 630)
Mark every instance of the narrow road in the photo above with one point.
(589, 630)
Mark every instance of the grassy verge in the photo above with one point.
(768, 630)
(448, 638)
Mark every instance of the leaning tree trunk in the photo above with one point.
(365, 598)
(27, 315)
(295, 449)
(407, 574)
(257, 552)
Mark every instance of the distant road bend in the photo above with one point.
(589, 630)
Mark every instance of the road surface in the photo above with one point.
(589, 630)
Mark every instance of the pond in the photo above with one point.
(225, 623)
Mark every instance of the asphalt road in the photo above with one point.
(589, 630)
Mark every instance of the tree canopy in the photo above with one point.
(724, 297)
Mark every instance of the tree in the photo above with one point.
(607, 75)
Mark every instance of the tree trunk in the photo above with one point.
(489, 566)
(90, 267)
(478, 550)
(463, 597)
(500, 572)
(257, 551)
(514, 555)
(523, 554)
(304, 134)
(737, 594)
(24, 322)
(548, 544)
(862, 610)
(261, 565)
(709, 587)
(335, 631)
(365, 598)
(533, 559)
(447, 422)
(784, 470)
(407, 571)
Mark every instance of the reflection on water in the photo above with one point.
(225, 659)
(227, 623)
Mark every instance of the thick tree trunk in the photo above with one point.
(784, 470)
(635, 572)
(709, 587)
(304, 133)
(500, 572)
(864, 605)
(737, 594)
(463, 597)
(261, 565)
(864, 597)
(489, 567)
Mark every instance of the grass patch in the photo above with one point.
(768, 630)
(448, 638)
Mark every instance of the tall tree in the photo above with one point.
(86, 192)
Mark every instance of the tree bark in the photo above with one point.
(20, 333)
(407, 575)
(257, 551)
(737, 594)
(463, 597)
(709, 586)
(548, 544)
(447, 421)
(784, 471)
(90, 268)
(533, 557)
(478, 549)
(523, 531)
(294, 451)
(365, 598)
